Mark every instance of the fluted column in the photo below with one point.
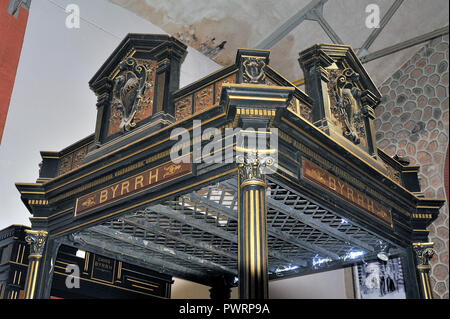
(253, 261)
(37, 240)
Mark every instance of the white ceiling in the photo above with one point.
(205, 24)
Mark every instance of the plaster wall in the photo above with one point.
(326, 285)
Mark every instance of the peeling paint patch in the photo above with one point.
(211, 48)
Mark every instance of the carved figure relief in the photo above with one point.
(346, 106)
(132, 95)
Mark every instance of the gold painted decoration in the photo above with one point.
(145, 105)
(337, 186)
(78, 157)
(424, 252)
(183, 108)
(254, 69)
(72, 160)
(305, 112)
(393, 173)
(228, 80)
(65, 164)
(171, 169)
(345, 102)
(252, 168)
(132, 185)
(36, 239)
(300, 109)
(203, 98)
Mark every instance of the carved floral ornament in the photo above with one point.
(36, 239)
(129, 87)
(347, 107)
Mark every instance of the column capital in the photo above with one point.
(424, 252)
(252, 169)
(36, 239)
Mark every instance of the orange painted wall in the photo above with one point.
(12, 31)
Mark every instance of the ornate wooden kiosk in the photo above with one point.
(325, 192)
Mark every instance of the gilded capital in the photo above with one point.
(36, 239)
(424, 252)
(253, 168)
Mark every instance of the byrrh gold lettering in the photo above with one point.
(125, 185)
(153, 175)
(103, 195)
(332, 182)
(322, 177)
(114, 190)
(341, 186)
(370, 205)
(360, 199)
(350, 194)
(139, 182)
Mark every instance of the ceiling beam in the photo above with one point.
(404, 45)
(161, 249)
(376, 31)
(316, 14)
(289, 25)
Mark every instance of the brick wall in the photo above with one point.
(412, 121)
(12, 31)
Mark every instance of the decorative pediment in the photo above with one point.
(345, 96)
(134, 86)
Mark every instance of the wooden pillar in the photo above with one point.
(37, 240)
(252, 210)
(253, 107)
(220, 289)
(424, 252)
(412, 289)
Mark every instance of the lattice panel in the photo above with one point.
(203, 224)
(331, 219)
(176, 228)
